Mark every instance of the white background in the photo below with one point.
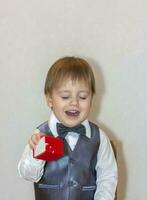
(112, 36)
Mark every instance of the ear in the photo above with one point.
(49, 100)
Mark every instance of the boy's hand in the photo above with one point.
(34, 139)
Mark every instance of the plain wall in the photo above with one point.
(112, 36)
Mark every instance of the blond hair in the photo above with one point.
(75, 68)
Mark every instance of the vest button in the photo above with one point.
(70, 183)
(72, 161)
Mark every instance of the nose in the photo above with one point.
(74, 101)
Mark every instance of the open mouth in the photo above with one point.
(72, 113)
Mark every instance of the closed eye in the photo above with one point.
(65, 97)
(83, 98)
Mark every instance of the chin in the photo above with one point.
(72, 124)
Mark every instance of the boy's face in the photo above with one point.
(71, 102)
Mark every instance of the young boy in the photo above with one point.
(87, 170)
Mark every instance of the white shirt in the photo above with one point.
(106, 169)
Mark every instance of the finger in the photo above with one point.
(42, 134)
(33, 140)
(31, 144)
(36, 138)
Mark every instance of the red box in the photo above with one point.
(49, 148)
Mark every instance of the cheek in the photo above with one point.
(58, 105)
(86, 106)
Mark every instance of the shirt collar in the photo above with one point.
(53, 121)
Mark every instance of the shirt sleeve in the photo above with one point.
(30, 168)
(106, 170)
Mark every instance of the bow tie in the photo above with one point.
(63, 130)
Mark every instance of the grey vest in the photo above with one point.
(72, 177)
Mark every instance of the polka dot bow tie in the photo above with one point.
(63, 130)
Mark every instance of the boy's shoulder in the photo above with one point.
(94, 126)
(94, 130)
(43, 127)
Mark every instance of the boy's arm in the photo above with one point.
(106, 169)
(30, 168)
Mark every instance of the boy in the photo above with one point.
(87, 170)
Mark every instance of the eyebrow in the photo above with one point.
(68, 91)
(63, 91)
